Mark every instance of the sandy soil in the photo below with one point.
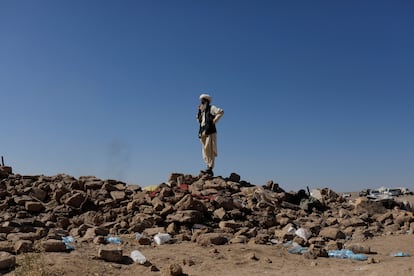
(230, 260)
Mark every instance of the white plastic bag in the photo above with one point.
(303, 233)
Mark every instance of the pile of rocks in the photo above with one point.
(203, 209)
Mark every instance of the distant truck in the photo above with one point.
(384, 192)
(373, 194)
(406, 191)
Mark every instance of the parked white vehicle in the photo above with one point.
(405, 191)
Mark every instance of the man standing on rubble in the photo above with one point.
(208, 115)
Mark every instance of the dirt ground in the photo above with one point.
(224, 260)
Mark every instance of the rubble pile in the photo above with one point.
(202, 209)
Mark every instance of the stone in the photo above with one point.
(153, 231)
(38, 193)
(230, 224)
(384, 217)
(282, 219)
(252, 256)
(99, 240)
(110, 253)
(154, 268)
(353, 221)
(21, 200)
(220, 213)
(23, 246)
(238, 239)
(189, 203)
(6, 229)
(76, 200)
(392, 229)
(234, 177)
(331, 221)
(174, 270)
(212, 238)
(171, 228)
(316, 251)
(142, 240)
(158, 204)
(325, 195)
(364, 205)
(7, 261)
(300, 241)
(260, 239)
(287, 233)
(167, 210)
(33, 206)
(175, 176)
(332, 233)
(403, 218)
(223, 202)
(53, 245)
(31, 236)
(118, 195)
(334, 245)
(93, 184)
(89, 235)
(371, 260)
(359, 248)
(6, 246)
(185, 217)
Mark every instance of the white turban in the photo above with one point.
(205, 96)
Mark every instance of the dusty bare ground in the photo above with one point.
(224, 260)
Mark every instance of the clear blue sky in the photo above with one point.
(315, 93)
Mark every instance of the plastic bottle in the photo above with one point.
(162, 238)
(358, 257)
(347, 254)
(400, 254)
(297, 250)
(137, 257)
(115, 240)
(68, 242)
(68, 239)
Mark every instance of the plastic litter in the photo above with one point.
(297, 250)
(291, 230)
(138, 236)
(303, 233)
(162, 238)
(347, 254)
(115, 240)
(68, 240)
(276, 241)
(137, 257)
(400, 254)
